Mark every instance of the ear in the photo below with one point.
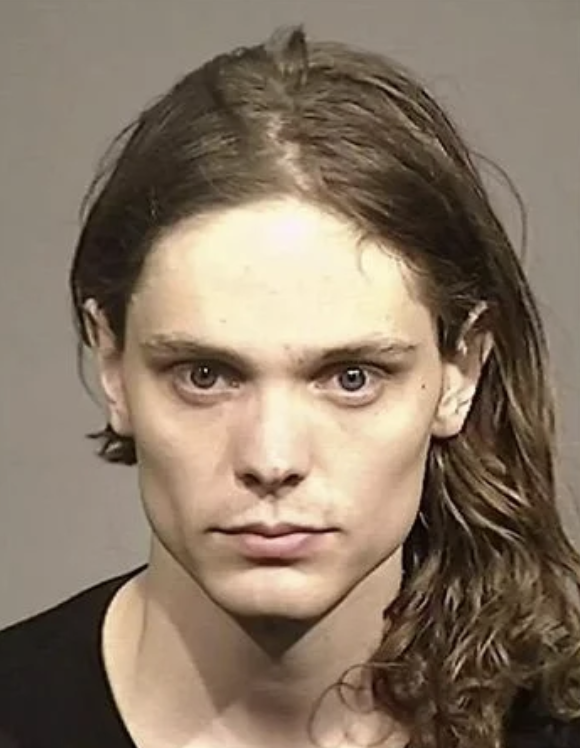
(461, 376)
(109, 361)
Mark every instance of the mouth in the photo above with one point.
(281, 541)
(274, 530)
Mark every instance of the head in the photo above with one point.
(305, 310)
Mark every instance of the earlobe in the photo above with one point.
(461, 378)
(452, 411)
(108, 359)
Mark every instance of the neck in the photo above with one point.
(259, 682)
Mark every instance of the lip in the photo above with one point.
(273, 531)
(280, 542)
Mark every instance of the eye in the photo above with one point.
(355, 384)
(353, 379)
(204, 379)
(203, 376)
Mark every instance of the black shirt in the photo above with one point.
(54, 692)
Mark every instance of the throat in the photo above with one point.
(198, 678)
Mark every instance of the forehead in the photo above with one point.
(280, 272)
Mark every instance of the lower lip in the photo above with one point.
(293, 545)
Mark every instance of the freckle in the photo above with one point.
(423, 386)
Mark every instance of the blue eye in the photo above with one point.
(355, 384)
(204, 379)
(353, 379)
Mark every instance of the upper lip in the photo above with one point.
(272, 531)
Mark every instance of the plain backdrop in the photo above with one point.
(73, 72)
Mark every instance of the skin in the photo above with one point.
(287, 427)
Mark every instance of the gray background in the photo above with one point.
(72, 72)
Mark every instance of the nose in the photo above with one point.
(272, 452)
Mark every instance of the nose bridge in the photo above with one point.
(272, 444)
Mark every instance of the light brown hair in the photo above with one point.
(488, 610)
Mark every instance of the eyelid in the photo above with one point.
(329, 369)
(179, 374)
(370, 392)
(376, 375)
(218, 367)
(187, 362)
(379, 368)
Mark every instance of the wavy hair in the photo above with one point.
(488, 609)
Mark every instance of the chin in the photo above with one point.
(275, 593)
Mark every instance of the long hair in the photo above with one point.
(488, 608)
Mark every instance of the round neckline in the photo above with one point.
(111, 705)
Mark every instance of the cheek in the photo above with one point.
(384, 462)
(178, 461)
(167, 432)
(394, 435)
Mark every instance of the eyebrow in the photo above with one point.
(169, 345)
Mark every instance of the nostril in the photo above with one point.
(265, 485)
(250, 480)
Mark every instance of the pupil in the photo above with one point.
(203, 377)
(352, 379)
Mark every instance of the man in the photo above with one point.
(317, 345)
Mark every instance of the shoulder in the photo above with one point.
(49, 661)
(553, 733)
(531, 726)
(62, 625)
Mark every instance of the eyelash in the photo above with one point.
(374, 372)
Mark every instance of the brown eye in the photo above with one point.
(353, 379)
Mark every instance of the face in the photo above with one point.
(282, 383)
